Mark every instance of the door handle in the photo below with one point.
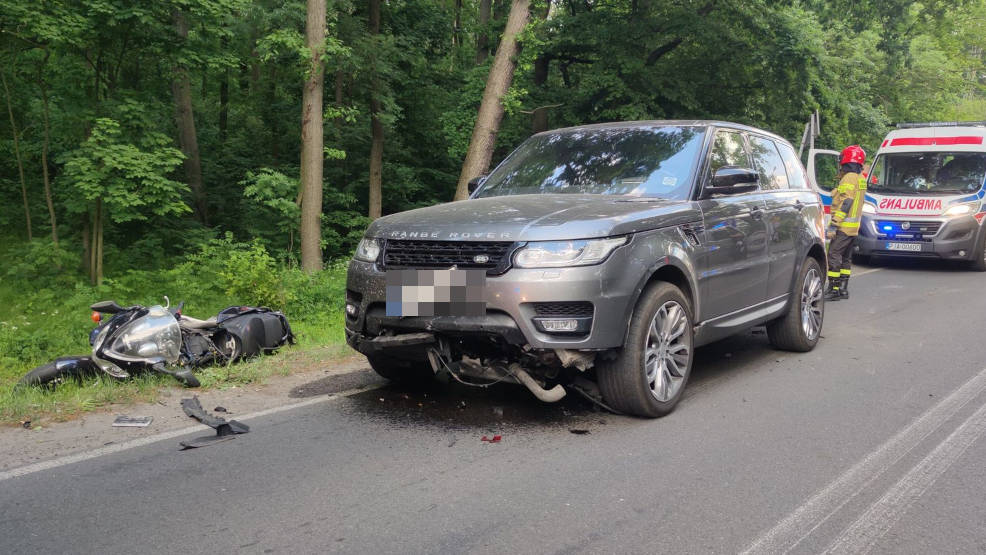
(756, 213)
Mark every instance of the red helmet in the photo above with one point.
(852, 155)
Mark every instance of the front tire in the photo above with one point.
(408, 372)
(801, 325)
(648, 376)
(47, 374)
(978, 263)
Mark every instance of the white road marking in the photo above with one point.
(798, 525)
(870, 271)
(140, 442)
(861, 536)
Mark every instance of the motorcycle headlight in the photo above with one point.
(154, 335)
(558, 254)
(368, 250)
(868, 208)
(958, 210)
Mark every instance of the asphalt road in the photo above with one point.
(872, 442)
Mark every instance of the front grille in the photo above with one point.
(489, 255)
(914, 227)
(578, 309)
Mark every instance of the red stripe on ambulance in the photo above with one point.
(939, 141)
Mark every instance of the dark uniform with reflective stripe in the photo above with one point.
(847, 211)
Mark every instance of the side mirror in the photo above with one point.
(732, 180)
(475, 182)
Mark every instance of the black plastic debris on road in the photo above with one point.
(224, 429)
(123, 421)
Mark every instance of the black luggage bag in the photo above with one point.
(259, 329)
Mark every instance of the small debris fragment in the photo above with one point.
(381, 399)
(26, 424)
(123, 421)
(220, 409)
(579, 432)
(728, 355)
(462, 404)
(494, 439)
(498, 411)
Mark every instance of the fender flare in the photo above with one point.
(678, 260)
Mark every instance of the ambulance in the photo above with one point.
(924, 192)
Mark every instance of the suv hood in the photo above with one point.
(534, 218)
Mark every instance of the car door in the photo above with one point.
(823, 171)
(736, 268)
(783, 214)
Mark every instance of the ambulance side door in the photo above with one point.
(823, 174)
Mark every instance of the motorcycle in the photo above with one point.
(129, 340)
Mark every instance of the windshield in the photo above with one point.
(928, 173)
(654, 161)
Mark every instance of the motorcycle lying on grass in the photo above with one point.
(135, 339)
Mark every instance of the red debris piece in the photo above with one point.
(494, 439)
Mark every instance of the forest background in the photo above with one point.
(152, 148)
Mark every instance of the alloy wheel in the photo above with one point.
(668, 351)
(811, 304)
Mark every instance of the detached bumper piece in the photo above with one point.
(224, 430)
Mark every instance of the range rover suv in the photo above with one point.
(597, 257)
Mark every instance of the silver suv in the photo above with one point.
(597, 255)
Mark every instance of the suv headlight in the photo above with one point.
(558, 254)
(958, 210)
(368, 250)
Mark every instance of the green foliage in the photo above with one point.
(130, 179)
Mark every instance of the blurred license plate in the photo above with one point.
(914, 247)
(436, 292)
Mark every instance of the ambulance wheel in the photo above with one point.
(978, 263)
(864, 259)
(801, 325)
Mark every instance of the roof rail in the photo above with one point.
(942, 124)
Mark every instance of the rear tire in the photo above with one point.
(47, 374)
(801, 325)
(410, 372)
(649, 374)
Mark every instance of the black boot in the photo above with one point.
(844, 287)
(832, 293)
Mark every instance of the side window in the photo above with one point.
(878, 171)
(795, 171)
(768, 163)
(728, 150)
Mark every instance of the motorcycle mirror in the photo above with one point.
(167, 302)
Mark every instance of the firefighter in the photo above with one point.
(847, 211)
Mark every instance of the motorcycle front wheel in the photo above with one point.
(43, 375)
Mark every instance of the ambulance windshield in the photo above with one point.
(928, 173)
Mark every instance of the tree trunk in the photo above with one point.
(312, 148)
(181, 87)
(224, 98)
(376, 128)
(87, 243)
(17, 155)
(542, 65)
(491, 108)
(457, 24)
(483, 39)
(95, 244)
(100, 218)
(44, 149)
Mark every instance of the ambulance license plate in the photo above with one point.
(913, 247)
